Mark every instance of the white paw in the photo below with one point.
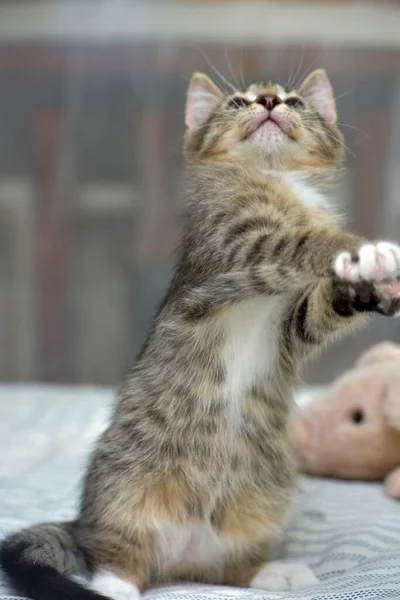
(375, 263)
(81, 579)
(108, 584)
(282, 577)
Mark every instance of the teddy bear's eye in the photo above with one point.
(357, 416)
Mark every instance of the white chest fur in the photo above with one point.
(252, 329)
(194, 543)
(308, 195)
(299, 184)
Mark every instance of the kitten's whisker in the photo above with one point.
(182, 76)
(231, 71)
(348, 92)
(308, 121)
(224, 80)
(290, 78)
(367, 135)
(298, 70)
(342, 144)
(242, 81)
(308, 71)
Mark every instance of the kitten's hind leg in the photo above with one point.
(121, 566)
(111, 586)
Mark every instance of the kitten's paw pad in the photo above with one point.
(390, 289)
(283, 577)
(389, 294)
(112, 586)
(374, 262)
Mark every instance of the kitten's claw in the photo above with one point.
(390, 289)
(373, 263)
(372, 277)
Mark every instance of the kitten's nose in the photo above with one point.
(268, 100)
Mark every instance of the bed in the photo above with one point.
(349, 533)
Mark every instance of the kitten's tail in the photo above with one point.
(39, 562)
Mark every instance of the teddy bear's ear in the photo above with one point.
(381, 353)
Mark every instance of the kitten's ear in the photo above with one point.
(317, 89)
(202, 97)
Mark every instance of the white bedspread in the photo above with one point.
(349, 533)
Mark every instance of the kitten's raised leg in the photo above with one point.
(268, 264)
(333, 306)
(359, 284)
(282, 261)
(321, 312)
(297, 257)
(267, 259)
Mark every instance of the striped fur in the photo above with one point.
(194, 475)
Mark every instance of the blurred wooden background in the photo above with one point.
(91, 126)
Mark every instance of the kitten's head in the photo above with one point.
(265, 125)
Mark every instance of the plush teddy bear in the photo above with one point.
(353, 430)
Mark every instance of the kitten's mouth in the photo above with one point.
(269, 122)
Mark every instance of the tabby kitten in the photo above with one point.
(194, 475)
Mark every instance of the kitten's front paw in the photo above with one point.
(373, 274)
(373, 263)
(282, 577)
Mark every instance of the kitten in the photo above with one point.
(194, 475)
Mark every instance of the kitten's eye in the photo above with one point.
(357, 416)
(294, 103)
(238, 103)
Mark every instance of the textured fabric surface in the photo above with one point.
(349, 533)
